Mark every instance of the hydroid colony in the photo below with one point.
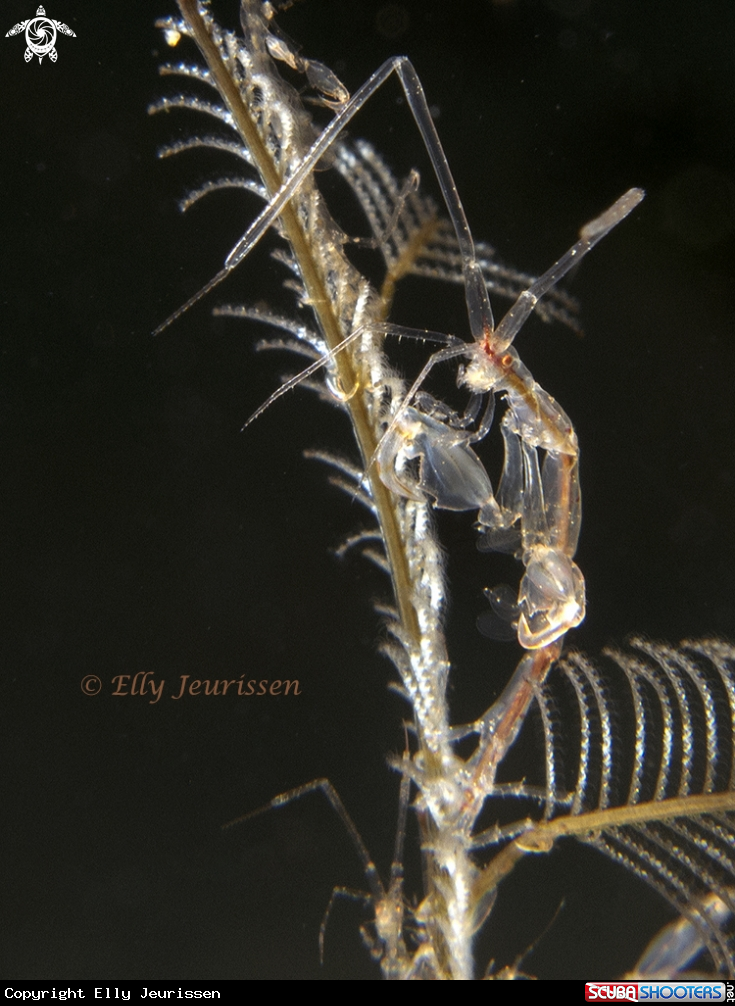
(658, 800)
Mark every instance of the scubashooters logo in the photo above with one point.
(655, 992)
(40, 35)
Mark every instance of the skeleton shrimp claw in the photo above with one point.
(450, 472)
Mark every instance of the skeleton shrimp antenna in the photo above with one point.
(478, 303)
(590, 234)
(384, 327)
(215, 281)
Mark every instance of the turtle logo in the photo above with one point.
(40, 35)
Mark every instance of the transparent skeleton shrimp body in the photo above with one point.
(542, 499)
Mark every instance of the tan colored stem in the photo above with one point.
(323, 308)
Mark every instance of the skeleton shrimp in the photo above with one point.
(393, 920)
(542, 499)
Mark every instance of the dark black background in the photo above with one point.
(143, 532)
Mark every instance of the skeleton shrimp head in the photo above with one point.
(538, 419)
(551, 598)
(488, 366)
